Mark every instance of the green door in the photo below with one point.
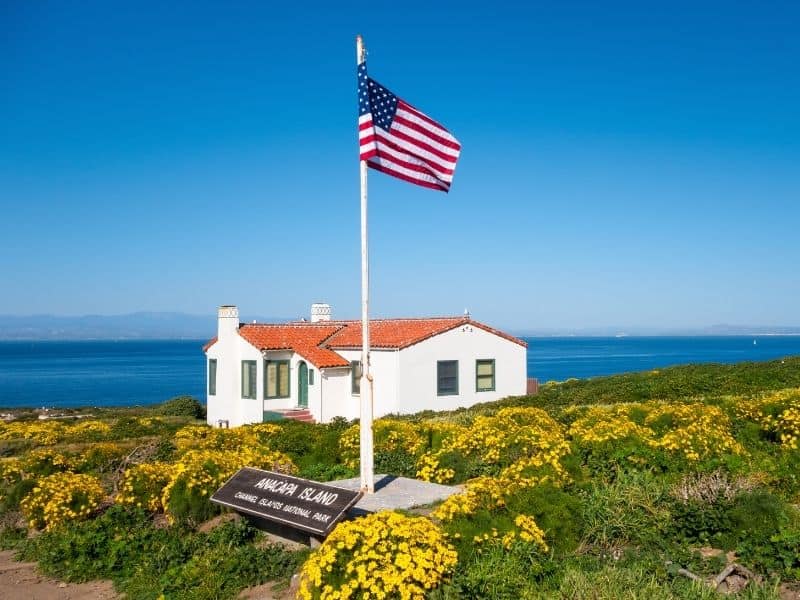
(302, 385)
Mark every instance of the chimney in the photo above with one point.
(227, 322)
(320, 312)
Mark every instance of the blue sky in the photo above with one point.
(623, 163)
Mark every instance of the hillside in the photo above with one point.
(607, 488)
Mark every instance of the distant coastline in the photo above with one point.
(182, 326)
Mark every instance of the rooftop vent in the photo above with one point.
(320, 312)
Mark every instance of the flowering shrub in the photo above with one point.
(142, 486)
(389, 436)
(383, 555)
(43, 433)
(62, 497)
(87, 431)
(789, 426)
(47, 432)
(481, 492)
(777, 413)
(198, 474)
(11, 470)
(523, 441)
(521, 447)
(100, 456)
(46, 461)
(694, 431)
(202, 437)
(527, 532)
(601, 424)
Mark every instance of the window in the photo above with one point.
(447, 378)
(355, 376)
(249, 379)
(311, 377)
(484, 375)
(276, 379)
(212, 377)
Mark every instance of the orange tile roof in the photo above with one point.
(210, 343)
(304, 338)
(401, 333)
(316, 341)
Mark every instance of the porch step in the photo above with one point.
(296, 414)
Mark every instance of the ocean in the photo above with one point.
(129, 373)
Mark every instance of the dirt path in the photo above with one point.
(21, 581)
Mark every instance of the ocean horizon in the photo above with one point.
(142, 372)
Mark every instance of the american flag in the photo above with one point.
(399, 140)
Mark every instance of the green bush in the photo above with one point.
(780, 553)
(697, 522)
(633, 508)
(297, 439)
(395, 462)
(145, 561)
(188, 504)
(215, 572)
(670, 383)
(14, 494)
(108, 547)
(757, 516)
(321, 472)
(607, 460)
(11, 536)
(558, 513)
(498, 573)
(14, 447)
(750, 518)
(126, 428)
(314, 448)
(182, 406)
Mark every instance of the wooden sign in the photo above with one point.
(307, 505)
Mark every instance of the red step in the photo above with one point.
(297, 414)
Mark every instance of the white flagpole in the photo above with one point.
(367, 475)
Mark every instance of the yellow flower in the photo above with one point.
(361, 558)
(62, 497)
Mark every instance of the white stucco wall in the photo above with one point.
(385, 372)
(228, 405)
(336, 398)
(417, 381)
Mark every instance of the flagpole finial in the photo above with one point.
(361, 51)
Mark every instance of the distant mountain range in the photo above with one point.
(175, 325)
(722, 329)
(134, 326)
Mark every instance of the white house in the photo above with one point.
(257, 370)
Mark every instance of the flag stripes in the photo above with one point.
(397, 139)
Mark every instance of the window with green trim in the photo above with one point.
(249, 369)
(276, 379)
(484, 375)
(212, 377)
(447, 378)
(355, 376)
(311, 377)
